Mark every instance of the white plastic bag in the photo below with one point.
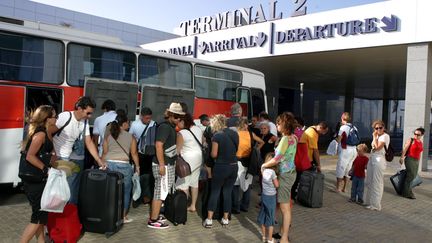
(136, 190)
(56, 192)
(332, 148)
(164, 184)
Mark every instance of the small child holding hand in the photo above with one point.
(266, 216)
(358, 174)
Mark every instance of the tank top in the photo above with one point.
(415, 149)
(115, 152)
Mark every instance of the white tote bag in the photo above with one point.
(332, 148)
(164, 184)
(136, 190)
(56, 192)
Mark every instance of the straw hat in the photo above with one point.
(68, 167)
(176, 109)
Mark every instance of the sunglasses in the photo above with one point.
(89, 113)
(378, 128)
(177, 117)
(417, 134)
(56, 117)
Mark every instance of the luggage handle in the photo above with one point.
(97, 176)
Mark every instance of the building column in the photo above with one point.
(418, 95)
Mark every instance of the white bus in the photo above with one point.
(55, 65)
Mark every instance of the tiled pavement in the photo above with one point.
(401, 220)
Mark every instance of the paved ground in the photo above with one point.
(401, 220)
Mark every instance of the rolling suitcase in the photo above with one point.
(100, 201)
(176, 207)
(310, 189)
(398, 180)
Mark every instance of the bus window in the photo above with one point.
(97, 62)
(258, 103)
(244, 98)
(215, 83)
(30, 59)
(164, 72)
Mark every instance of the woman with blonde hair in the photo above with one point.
(376, 166)
(33, 170)
(224, 148)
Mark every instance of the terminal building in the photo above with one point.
(371, 60)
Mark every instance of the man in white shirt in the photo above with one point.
(71, 135)
(264, 117)
(139, 130)
(101, 122)
(347, 153)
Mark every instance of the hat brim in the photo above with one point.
(177, 112)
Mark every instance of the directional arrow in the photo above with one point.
(391, 24)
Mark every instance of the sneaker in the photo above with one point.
(161, 218)
(224, 222)
(351, 200)
(157, 224)
(208, 223)
(360, 201)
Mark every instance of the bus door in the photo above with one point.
(244, 98)
(159, 98)
(12, 110)
(37, 96)
(124, 94)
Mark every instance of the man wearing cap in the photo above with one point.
(164, 162)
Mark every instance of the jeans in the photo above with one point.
(74, 181)
(224, 177)
(243, 203)
(127, 171)
(357, 188)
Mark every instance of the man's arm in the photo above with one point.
(92, 149)
(317, 159)
(160, 157)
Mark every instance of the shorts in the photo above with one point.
(266, 215)
(34, 192)
(345, 160)
(170, 172)
(286, 180)
(189, 181)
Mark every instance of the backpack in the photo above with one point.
(148, 139)
(353, 138)
(389, 152)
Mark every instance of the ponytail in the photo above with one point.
(115, 125)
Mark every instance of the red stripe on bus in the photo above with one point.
(11, 107)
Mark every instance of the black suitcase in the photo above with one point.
(398, 180)
(310, 189)
(100, 201)
(176, 207)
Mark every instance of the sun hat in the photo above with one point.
(176, 109)
(68, 167)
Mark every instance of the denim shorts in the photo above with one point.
(266, 215)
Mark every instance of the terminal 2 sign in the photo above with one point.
(237, 18)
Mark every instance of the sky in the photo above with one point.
(166, 15)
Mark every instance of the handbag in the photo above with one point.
(389, 153)
(28, 172)
(79, 144)
(182, 168)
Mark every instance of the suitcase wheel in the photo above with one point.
(175, 223)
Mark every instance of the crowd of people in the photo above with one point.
(230, 143)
